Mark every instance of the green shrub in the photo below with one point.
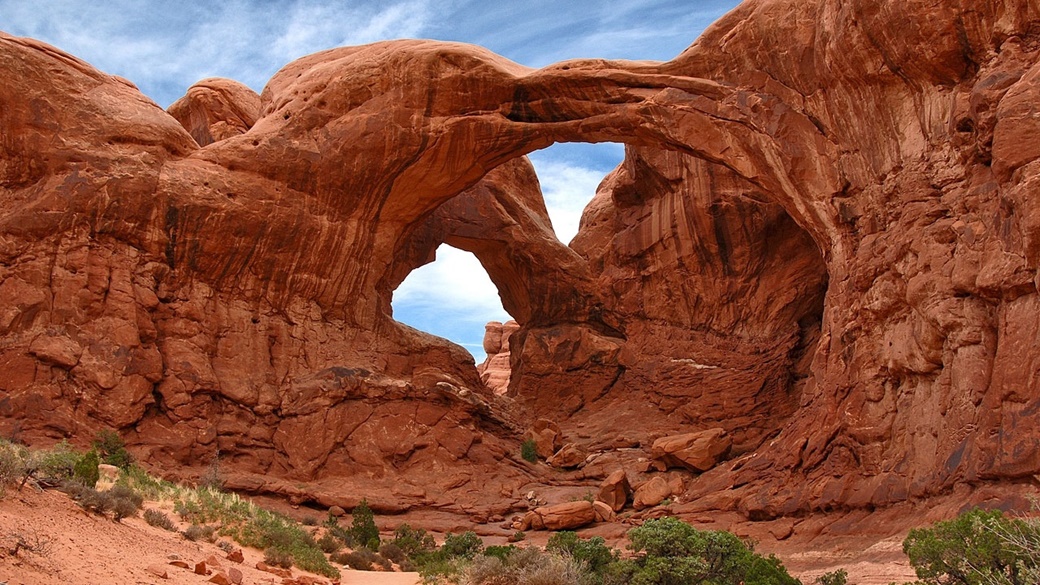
(500, 552)
(160, 519)
(671, 551)
(329, 543)
(592, 552)
(122, 507)
(393, 552)
(197, 532)
(413, 542)
(978, 547)
(58, 464)
(277, 557)
(13, 468)
(524, 566)
(112, 449)
(85, 471)
(360, 560)
(466, 545)
(363, 528)
(529, 450)
(838, 577)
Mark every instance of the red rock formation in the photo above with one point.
(215, 109)
(495, 370)
(821, 240)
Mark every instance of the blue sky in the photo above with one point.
(165, 46)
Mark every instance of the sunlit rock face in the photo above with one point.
(822, 241)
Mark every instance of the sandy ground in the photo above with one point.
(63, 544)
(69, 546)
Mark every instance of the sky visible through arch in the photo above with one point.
(164, 47)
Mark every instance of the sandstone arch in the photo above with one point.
(235, 296)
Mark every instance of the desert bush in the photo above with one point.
(466, 545)
(526, 566)
(160, 519)
(122, 508)
(112, 450)
(363, 528)
(277, 557)
(57, 464)
(529, 450)
(671, 551)
(197, 532)
(329, 543)
(225, 545)
(593, 553)
(85, 471)
(12, 464)
(838, 577)
(150, 487)
(501, 552)
(977, 548)
(413, 542)
(393, 552)
(361, 559)
(127, 493)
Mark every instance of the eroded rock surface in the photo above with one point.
(823, 240)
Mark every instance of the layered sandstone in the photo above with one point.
(822, 241)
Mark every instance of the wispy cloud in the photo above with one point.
(164, 47)
(451, 297)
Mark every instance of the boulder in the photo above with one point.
(615, 490)
(158, 571)
(570, 456)
(604, 513)
(236, 556)
(698, 451)
(566, 516)
(547, 437)
(651, 493)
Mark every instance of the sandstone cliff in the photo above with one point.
(822, 240)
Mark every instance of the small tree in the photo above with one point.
(86, 469)
(112, 449)
(363, 527)
(673, 552)
(529, 450)
(977, 548)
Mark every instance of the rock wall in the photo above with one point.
(822, 241)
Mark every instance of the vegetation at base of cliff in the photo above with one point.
(978, 547)
(209, 511)
(667, 551)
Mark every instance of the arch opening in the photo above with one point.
(452, 297)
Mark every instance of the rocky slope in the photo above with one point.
(822, 240)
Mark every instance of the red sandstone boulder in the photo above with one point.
(547, 437)
(570, 456)
(566, 516)
(604, 513)
(651, 493)
(615, 490)
(695, 451)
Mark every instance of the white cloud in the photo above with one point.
(567, 189)
(452, 297)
